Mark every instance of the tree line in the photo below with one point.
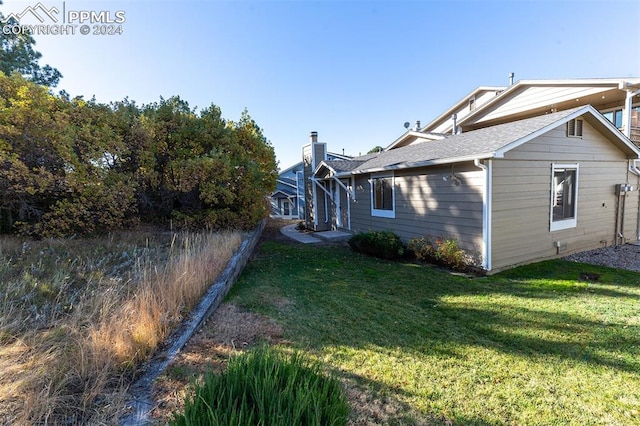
(75, 166)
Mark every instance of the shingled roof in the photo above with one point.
(490, 142)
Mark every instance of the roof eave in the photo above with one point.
(332, 171)
(447, 114)
(285, 183)
(427, 163)
(613, 82)
(587, 109)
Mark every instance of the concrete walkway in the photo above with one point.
(291, 232)
(314, 237)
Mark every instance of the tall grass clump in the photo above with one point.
(77, 317)
(265, 387)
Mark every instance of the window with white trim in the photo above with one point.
(383, 195)
(564, 196)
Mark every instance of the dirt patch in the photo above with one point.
(369, 408)
(232, 329)
(229, 330)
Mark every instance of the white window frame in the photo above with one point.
(558, 225)
(380, 212)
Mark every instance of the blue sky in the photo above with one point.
(354, 71)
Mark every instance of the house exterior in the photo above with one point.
(618, 99)
(513, 192)
(288, 199)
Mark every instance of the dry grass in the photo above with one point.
(77, 317)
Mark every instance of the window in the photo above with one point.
(564, 196)
(615, 117)
(382, 196)
(472, 103)
(574, 128)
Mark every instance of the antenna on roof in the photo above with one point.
(511, 75)
(406, 125)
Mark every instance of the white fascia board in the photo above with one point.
(403, 137)
(512, 145)
(629, 84)
(427, 163)
(332, 171)
(504, 94)
(286, 183)
(298, 164)
(283, 193)
(447, 114)
(340, 156)
(429, 136)
(322, 164)
(612, 83)
(613, 129)
(587, 109)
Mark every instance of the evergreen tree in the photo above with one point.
(17, 54)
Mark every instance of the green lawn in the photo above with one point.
(533, 345)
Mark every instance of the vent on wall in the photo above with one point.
(574, 128)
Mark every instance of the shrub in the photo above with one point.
(441, 251)
(383, 244)
(265, 387)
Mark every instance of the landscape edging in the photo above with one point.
(140, 391)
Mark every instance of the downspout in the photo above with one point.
(486, 212)
(633, 168)
(326, 202)
(314, 195)
(338, 208)
(349, 211)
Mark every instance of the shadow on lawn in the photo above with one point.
(340, 298)
(351, 299)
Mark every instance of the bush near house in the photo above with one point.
(441, 251)
(265, 387)
(383, 244)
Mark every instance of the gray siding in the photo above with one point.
(425, 204)
(522, 197)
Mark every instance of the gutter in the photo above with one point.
(486, 212)
(426, 163)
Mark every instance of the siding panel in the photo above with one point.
(521, 205)
(426, 204)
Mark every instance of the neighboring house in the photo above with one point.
(288, 200)
(513, 193)
(618, 99)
